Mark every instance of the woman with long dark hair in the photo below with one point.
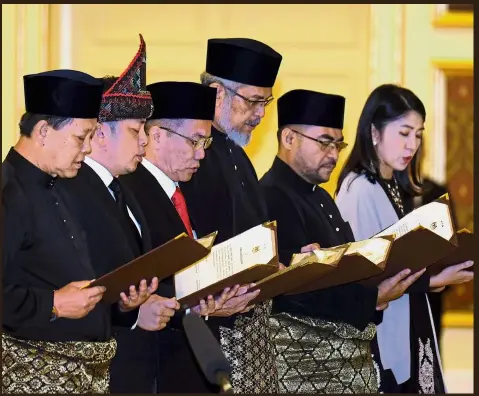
(380, 171)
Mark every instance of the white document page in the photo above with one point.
(434, 216)
(252, 247)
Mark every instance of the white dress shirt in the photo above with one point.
(107, 178)
(168, 185)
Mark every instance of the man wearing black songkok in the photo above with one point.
(178, 136)
(224, 194)
(322, 337)
(116, 227)
(56, 338)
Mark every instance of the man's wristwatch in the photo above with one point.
(54, 314)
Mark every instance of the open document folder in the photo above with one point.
(245, 258)
(329, 267)
(424, 238)
(421, 238)
(162, 262)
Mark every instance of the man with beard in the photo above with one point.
(322, 337)
(224, 194)
(178, 136)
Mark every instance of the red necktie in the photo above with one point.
(180, 204)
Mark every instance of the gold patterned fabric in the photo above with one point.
(317, 356)
(55, 367)
(250, 351)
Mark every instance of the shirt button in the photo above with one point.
(322, 205)
(64, 221)
(72, 236)
(242, 184)
(236, 168)
(331, 216)
(230, 151)
(337, 228)
(56, 203)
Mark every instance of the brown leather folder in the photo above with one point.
(244, 277)
(464, 252)
(162, 262)
(293, 277)
(249, 275)
(351, 268)
(415, 250)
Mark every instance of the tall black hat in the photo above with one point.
(243, 60)
(304, 107)
(177, 99)
(63, 93)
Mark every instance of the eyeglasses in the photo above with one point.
(325, 146)
(196, 144)
(251, 102)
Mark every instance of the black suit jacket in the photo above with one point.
(111, 244)
(178, 369)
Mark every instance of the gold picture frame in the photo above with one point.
(444, 17)
(456, 67)
(442, 70)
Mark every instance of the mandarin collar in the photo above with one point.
(29, 172)
(290, 177)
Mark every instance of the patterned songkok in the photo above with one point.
(128, 98)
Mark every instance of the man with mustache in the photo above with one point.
(331, 328)
(178, 135)
(56, 337)
(224, 194)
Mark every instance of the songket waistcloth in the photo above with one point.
(250, 351)
(55, 367)
(318, 356)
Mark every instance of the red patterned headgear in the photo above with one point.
(128, 98)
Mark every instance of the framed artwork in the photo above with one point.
(454, 113)
(454, 16)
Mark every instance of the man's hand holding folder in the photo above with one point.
(135, 299)
(238, 302)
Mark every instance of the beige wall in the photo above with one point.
(347, 49)
(24, 51)
(325, 48)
